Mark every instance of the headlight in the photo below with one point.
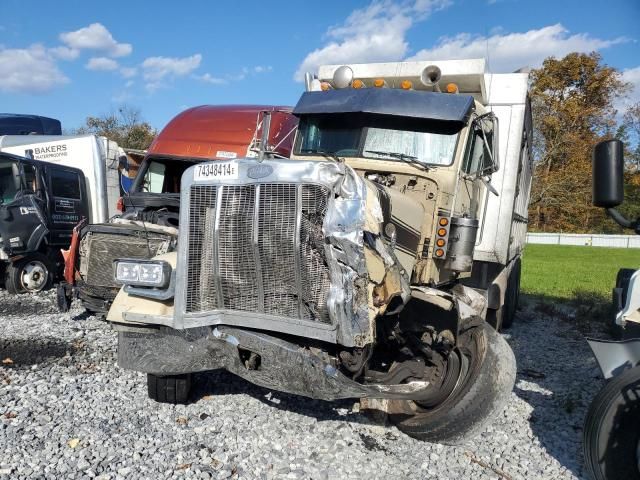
(144, 273)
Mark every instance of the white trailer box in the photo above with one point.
(97, 157)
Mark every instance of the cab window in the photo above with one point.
(65, 184)
(162, 176)
(12, 182)
(478, 155)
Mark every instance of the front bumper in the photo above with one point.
(277, 363)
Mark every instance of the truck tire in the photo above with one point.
(30, 274)
(481, 393)
(172, 389)
(512, 295)
(611, 438)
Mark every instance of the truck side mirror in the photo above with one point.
(608, 174)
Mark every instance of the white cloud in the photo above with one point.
(510, 51)
(236, 77)
(29, 70)
(128, 72)
(208, 78)
(632, 76)
(64, 53)
(95, 37)
(375, 33)
(103, 64)
(157, 70)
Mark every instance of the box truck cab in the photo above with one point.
(148, 223)
(49, 184)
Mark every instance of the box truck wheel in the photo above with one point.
(485, 381)
(611, 439)
(169, 388)
(32, 273)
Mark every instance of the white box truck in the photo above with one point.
(48, 184)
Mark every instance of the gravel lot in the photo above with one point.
(67, 411)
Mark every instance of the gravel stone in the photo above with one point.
(64, 384)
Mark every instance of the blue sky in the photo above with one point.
(71, 59)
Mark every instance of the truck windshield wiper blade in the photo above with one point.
(400, 156)
(325, 154)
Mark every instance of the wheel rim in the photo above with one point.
(34, 276)
(469, 353)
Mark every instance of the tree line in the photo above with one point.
(573, 104)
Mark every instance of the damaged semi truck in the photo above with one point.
(148, 219)
(376, 263)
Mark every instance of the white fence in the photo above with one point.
(592, 240)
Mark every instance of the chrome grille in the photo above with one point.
(258, 248)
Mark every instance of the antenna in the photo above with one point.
(490, 72)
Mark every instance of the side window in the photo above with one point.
(478, 157)
(65, 184)
(475, 151)
(154, 178)
(30, 181)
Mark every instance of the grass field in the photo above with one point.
(561, 272)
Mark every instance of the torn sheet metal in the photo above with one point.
(365, 273)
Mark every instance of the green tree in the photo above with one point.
(572, 100)
(125, 127)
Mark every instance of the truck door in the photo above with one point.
(23, 224)
(68, 203)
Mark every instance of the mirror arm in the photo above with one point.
(490, 187)
(622, 220)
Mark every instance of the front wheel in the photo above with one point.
(30, 274)
(487, 372)
(612, 429)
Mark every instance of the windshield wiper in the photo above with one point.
(325, 154)
(401, 156)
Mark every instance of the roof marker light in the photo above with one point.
(325, 86)
(452, 88)
(357, 83)
(406, 85)
(379, 83)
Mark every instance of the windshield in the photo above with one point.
(161, 176)
(346, 137)
(8, 187)
(12, 182)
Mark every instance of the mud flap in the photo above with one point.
(615, 357)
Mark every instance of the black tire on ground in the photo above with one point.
(512, 295)
(169, 388)
(612, 429)
(32, 273)
(479, 396)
